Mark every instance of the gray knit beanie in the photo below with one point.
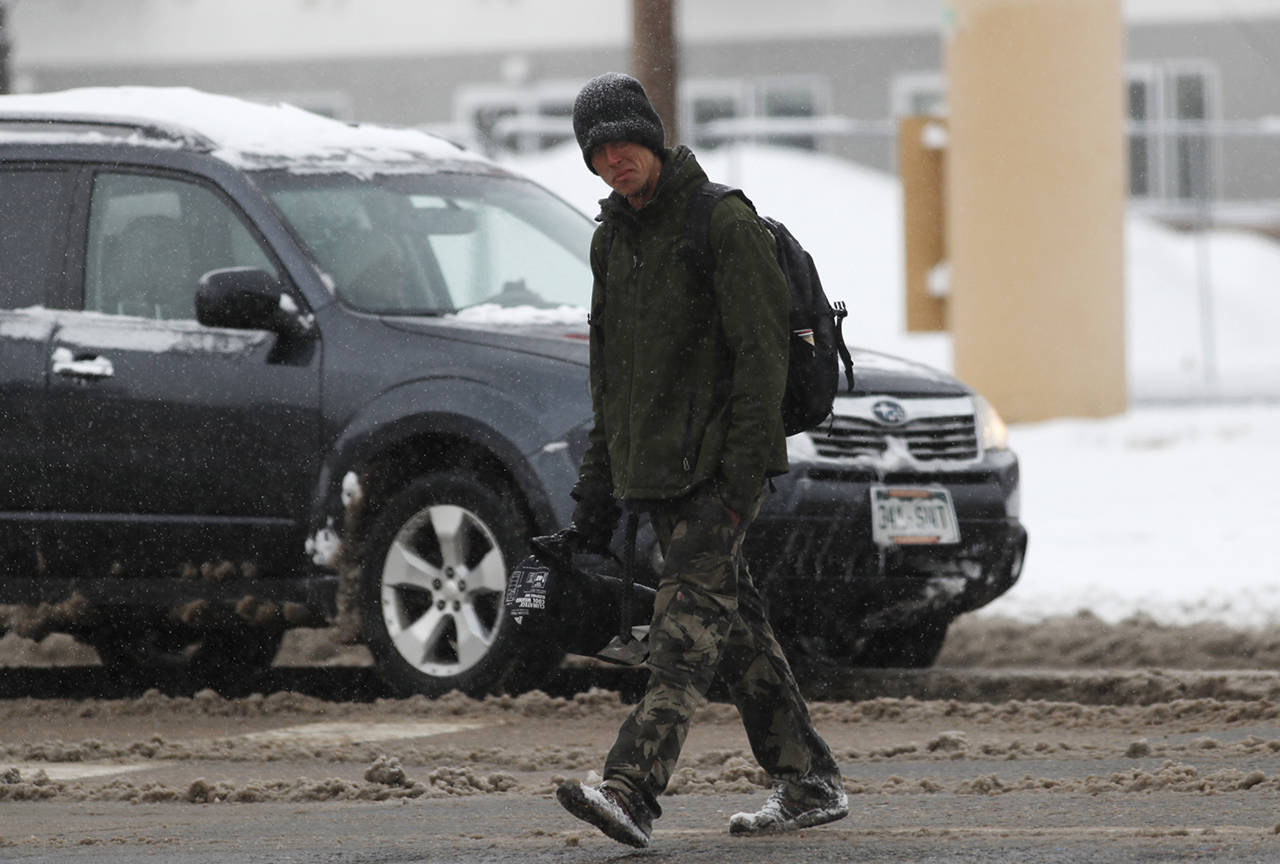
(614, 107)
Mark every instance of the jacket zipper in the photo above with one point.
(686, 445)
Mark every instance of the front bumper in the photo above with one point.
(812, 548)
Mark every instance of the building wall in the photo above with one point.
(419, 89)
(1246, 55)
(128, 32)
(402, 61)
(861, 70)
(402, 90)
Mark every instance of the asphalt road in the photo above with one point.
(941, 766)
(1069, 829)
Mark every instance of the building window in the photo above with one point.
(1141, 140)
(916, 93)
(771, 110)
(1190, 150)
(526, 118)
(706, 106)
(1171, 108)
(710, 108)
(800, 99)
(1172, 150)
(517, 118)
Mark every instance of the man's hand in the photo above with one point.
(566, 542)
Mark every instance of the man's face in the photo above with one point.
(630, 169)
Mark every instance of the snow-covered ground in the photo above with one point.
(1168, 510)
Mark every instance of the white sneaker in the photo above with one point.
(609, 810)
(780, 814)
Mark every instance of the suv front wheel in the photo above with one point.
(432, 585)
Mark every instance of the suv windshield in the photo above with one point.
(427, 244)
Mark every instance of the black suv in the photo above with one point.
(259, 368)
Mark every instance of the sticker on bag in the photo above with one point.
(527, 588)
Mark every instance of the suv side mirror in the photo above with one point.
(243, 298)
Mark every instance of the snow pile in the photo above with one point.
(246, 133)
(1166, 345)
(1168, 512)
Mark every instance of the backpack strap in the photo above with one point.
(702, 256)
(698, 226)
(841, 311)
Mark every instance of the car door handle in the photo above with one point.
(65, 363)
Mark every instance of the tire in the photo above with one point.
(432, 582)
(915, 646)
(140, 651)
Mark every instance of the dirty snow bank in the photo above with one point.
(887, 747)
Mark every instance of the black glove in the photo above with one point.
(565, 543)
(594, 518)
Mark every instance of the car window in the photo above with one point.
(32, 218)
(433, 243)
(511, 255)
(152, 238)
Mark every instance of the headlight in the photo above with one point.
(800, 448)
(991, 429)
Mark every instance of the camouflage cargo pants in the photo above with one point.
(708, 619)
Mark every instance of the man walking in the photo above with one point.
(686, 385)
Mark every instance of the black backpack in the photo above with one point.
(817, 346)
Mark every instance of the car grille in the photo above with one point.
(926, 438)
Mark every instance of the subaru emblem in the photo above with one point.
(889, 412)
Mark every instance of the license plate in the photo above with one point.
(903, 515)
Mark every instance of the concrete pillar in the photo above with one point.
(1035, 203)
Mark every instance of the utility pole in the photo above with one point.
(4, 51)
(653, 57)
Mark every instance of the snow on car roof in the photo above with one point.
(247, 134)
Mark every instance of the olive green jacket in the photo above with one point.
(686, 378)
